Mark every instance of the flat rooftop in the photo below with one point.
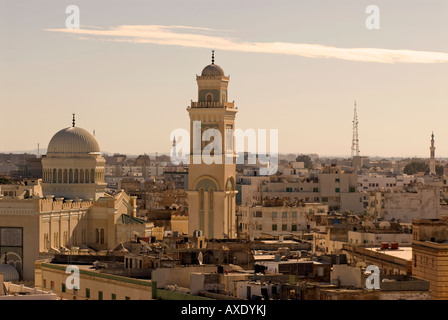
(401, 253)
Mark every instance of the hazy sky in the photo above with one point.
(297, 66)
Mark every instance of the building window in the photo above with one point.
(284, 227)
(51, 285)
(294, 214)
(337, 180)
(211, 196)
(201, 199)
(63, 287)
(209, 97)
(324, 199)
(100, 295)
(274, 227)
(127, 298)
(284, 215)
(294, 227)
(87, 293)
(102, 236)
(258, 214)
(336, 190)
(45, 283)
(229, 137)
(315, 189)
(114, 296)
(274, 215)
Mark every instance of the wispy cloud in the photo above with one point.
(195, 37)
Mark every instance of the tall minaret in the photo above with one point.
(432, 159)
(211, 185)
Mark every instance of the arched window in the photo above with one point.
(81, 176)
(201, 209)
(55, 176)
(211, 199)
(76, 179)
(201, 199)
(97, 236)
(209, 97)
(65, 176)
(70, 176)
(102, 236)
(86, 172)
(92, 176)
(60, 176)
(211, 213)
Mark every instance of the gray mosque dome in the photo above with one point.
(212, 70)
(73, 140)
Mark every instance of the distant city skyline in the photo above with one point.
(129, 72)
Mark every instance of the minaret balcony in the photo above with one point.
(212, 104)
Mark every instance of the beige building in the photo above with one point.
(75, 211)
(332, 187)
(417, 202)
(26, 189)
(94, 285)
(430, 254)
(275, 220)
(211, 187)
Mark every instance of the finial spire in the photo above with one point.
(213, 56)
(73, 121)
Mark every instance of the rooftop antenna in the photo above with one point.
(355, 141)
(73, 121)
(38, 150)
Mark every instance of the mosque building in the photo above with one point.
(74, 214)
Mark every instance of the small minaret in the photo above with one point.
(174, 145)
(432, 159)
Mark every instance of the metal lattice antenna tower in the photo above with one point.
(355, 141)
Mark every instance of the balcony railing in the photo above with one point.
(212, 104)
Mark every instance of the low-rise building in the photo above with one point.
(274, 218)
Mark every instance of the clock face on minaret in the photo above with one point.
(211, 176)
